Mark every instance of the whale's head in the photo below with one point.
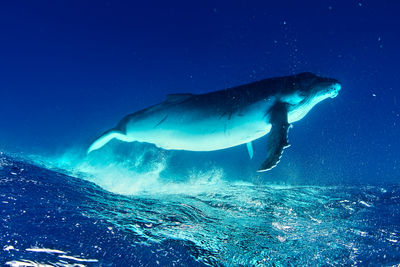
(311, 86)
(308, 90)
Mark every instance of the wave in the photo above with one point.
(220, 222)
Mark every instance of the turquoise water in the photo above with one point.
(51, 218)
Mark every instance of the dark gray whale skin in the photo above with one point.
(226, 118)
(231, 99)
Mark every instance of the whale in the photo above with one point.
(227, 118)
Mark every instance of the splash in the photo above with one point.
(138, 169)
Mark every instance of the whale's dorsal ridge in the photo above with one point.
(177, 97)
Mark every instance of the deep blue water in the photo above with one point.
(50, 211)
(51, 218)
(69, 70)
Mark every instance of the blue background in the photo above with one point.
(70, 70)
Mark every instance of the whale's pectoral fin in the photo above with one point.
(278, 137)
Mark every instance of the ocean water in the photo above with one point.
(53, 219)
(70, 70)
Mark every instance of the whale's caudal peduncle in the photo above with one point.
(227, 118)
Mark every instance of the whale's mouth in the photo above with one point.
(335, 88)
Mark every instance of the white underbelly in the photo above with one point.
(221, 138)
(207, 134)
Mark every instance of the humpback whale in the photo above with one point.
(227, 118)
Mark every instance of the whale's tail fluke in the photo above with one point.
(107, 137)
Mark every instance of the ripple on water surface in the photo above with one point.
(214, 222)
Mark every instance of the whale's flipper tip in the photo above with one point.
(105, 138)
(270, 162)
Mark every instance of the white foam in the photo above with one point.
(26, 263)
(45, 250)
(136, 173)
(8, 248)
(77, 259)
